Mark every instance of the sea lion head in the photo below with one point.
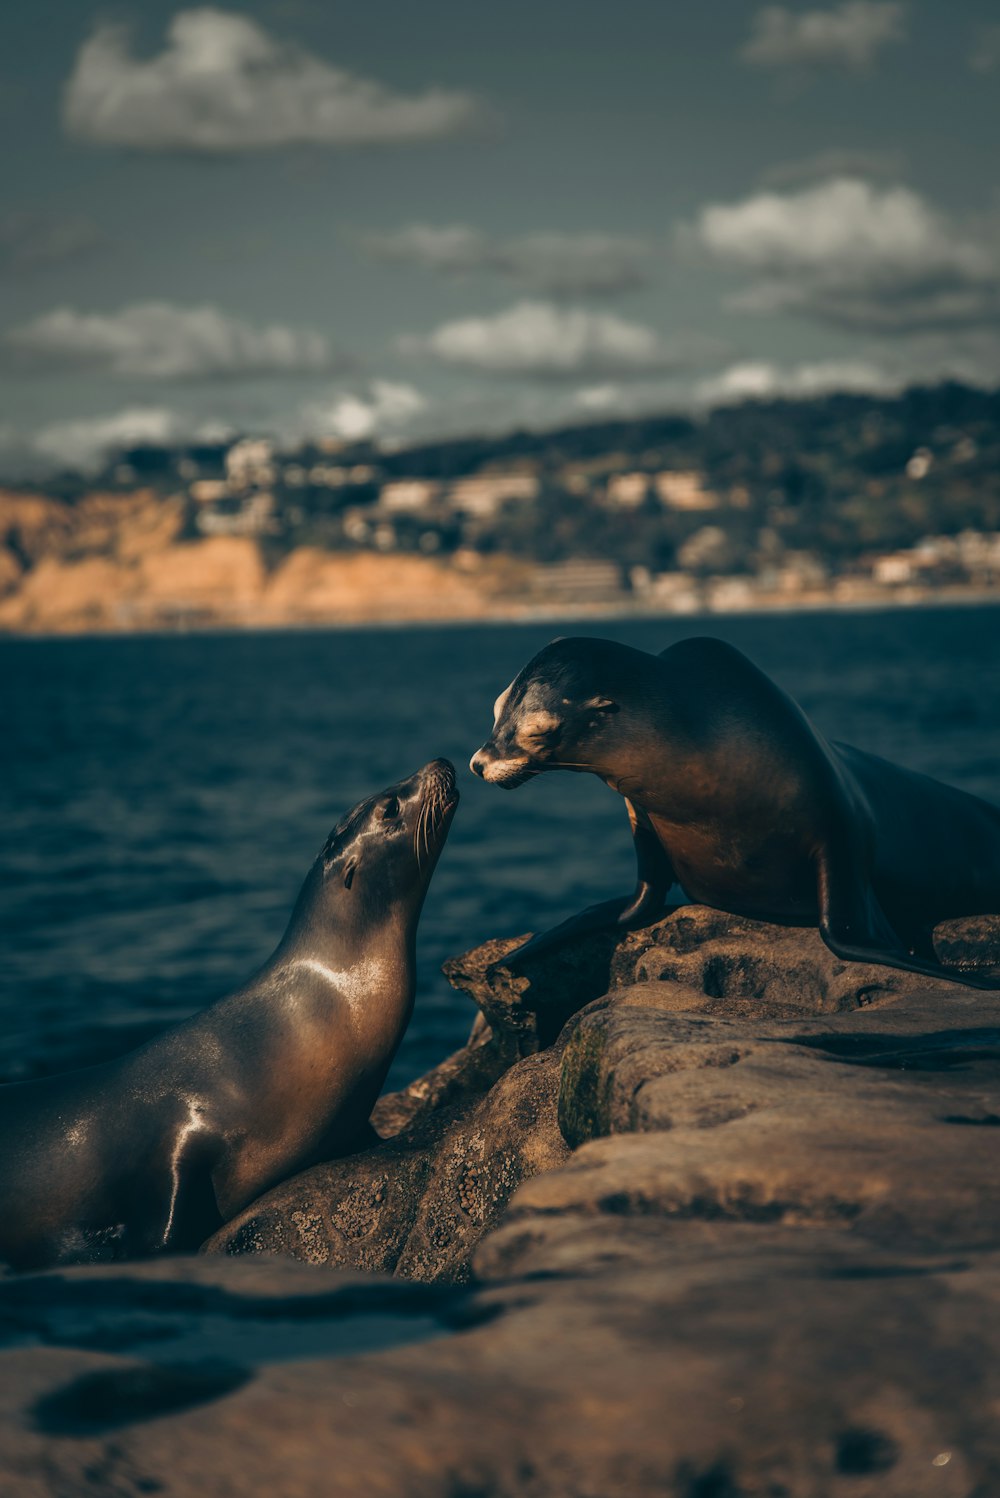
(376, 865)
(555, 715)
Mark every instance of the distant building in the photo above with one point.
(673, 592)
(408, 496)
(683, 489)
(728, 595)
(579, 580)
(800, 572)
(209, 491)
(253, 516)
(357, 526)
(893, 570)
(627, 491)
(708, 548)
(328, 476)
(483, 493)
(250, 463)
(920, 464)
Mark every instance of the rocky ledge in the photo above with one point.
(706, 1213)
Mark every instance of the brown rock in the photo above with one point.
(33, 523)
(58, 595)
(418, 1204)
(312, 585)
(222, 577)
(10, 571)
(880, 1123)
(770, 1267)
(806, 1374)
(752, 968)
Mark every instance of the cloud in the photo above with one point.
(583, 264)
(547, 341)
(873, 166)
(761, 379)
(985, 55)
(160, 341)
(85, 444)
(972, 357)
(854, 255)
(33, 241)
(850, 35)
(386, 408)
(222, 84)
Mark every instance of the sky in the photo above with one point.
(401, 221)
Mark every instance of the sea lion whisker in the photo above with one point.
(417, 835)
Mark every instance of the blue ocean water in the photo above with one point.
(161, 798)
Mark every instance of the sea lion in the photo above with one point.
(734, 796)
(155, 1151)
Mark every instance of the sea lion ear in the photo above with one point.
(602, 705)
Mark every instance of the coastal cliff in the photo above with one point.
(121, 562)
(706, 1212)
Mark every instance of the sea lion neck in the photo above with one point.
(342, 938)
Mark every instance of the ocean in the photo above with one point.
(162, 797)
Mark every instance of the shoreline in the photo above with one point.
(526, 614)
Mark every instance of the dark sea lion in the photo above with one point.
(733, 795)
(155, 1151)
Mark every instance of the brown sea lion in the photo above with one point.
(156, 1150)
(734, 796)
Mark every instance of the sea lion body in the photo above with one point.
(734, 796)
(156, 1150)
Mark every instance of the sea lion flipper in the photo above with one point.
(854, 926)
(646, 903)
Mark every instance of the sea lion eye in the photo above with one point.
(391, 809)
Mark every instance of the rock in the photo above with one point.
(528, 1007)
(806, 1373)
(655, 1054)
(769, 1266)
(10, 570)
(310, 586)
(457, 1142)
(222, 576)
(753, 968)
(418, 1204)
(863, 1122)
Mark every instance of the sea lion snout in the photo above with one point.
(439, 774)
(490, 765)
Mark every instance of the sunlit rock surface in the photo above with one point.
(727, 1227)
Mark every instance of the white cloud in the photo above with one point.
(761, 379)
(31, 240)
(589, 263)
(538, 338)
(855, 255)
(85, 443)
(222, 84)
(385, 409)
(850, 35)
(971, 357)
(159, 341)
(985, 55)
(599, 397)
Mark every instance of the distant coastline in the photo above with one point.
(823, 504)
(222, 585)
